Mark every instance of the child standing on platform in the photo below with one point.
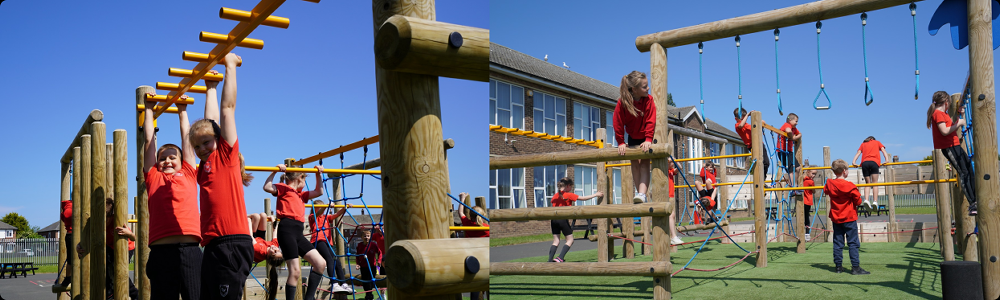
(786, 149)
(635, 114)
(291, 212)
(944, 130)
(870, 162)
(564, 197)
(743, 130)
(844, 198)
(323, 226)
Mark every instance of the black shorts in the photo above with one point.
(635, 142)
(225, 267)
(259, 234)
(705, 193)
(868, 168)
(290, 239)
(787, 160)
(174, 270)
(562, 226)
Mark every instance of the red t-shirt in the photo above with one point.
(379, 240)
(670, 180)
(943, 141)
(638, 127)
(372, 253)
(291, 202)
(844, 199)
(67, 215)
(705, 175)
(260, 249)
(564, 199)
(744, 132)
(785, 143)
(325, 233)
(223, 211)
(109, 238)
(173, 199)
(808, 194)
(466, 221)
(869, 151)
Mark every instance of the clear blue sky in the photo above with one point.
(597, 39)
(311, 89)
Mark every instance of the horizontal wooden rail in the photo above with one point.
(545, 136)
(439, 266)
(768, 20)
(775, 130)
(415, 45)
(654, 209)
(338, 150)
(94, 116)
(819, 187)
(167, 86)
(701, 226)
(451, 228)
(575, 157)
(646, 268)
(593, 237)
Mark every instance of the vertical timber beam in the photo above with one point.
(628, 192)
(141, 200)
(943, 207)
(78, 222)
(98, 216)
(800, 214)
(85, 210)
(628, 224)
(964, 223)
(415, 174)
(722, 177)
(66, 186)
(890, 193)
(760, 216)
(605, 243)
(658, 178)
(827, 173)
(341, 250)
(985, 142)
(120, 158)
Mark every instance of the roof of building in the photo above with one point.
(52, 227)
(6, 226)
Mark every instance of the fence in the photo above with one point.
(39, 251)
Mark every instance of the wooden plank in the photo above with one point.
(120, 186)
(65, 189)
(800, 214)
(579, 212)
(440, 266)
(655, 269)
(142, 199)
(94, 116)
(414, 45)
(943, 207)
(768, 20)
(828, 173)
(965, 224)
(874, 232)
(98, 194)
(985, 142)
(78, 222)
(757, 152)
(701, 226)
(658, 193)
(575, 157)
(890, 193)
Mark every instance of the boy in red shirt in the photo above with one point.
(807, 200)
(785, 148)
(367, 263)
(565, 197)
(844, 198)
(706, 191)
(743, 129)
(67, 219)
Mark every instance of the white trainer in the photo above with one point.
(338, 288)
(639, 198)
(676, 241)
(807, 237)
(867, 205)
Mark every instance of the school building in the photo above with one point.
(531, 94)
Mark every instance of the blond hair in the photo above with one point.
(839, 166)
(159, 151)
(939, 98)
(628, 82)
(209, 126)
(482, 212)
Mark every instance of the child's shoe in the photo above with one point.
(839, 269)
(875, 204)
(558, 259)
(676, 241)
(867, 205)
(972, 209)
(340, 289)
(639, 198)
(807, 237)
(859, 271)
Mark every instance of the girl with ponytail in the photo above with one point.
(944, 131)
(635, 115)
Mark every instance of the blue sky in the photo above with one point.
(311, 89)
(597, 39)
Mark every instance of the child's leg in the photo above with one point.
(960, 161)
(555, 238)
(874, 189)
(838, 244)
(808, 221)
(316, 273)
(637, 175)
(367, 276)
(331, 261)
(568, 233)
(853, 243)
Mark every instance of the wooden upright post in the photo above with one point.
(605, 243)
(85, 221)
(890, 193)
(943, 207)
(658, 179)
(760, 216)
(341, 248)
(415, 174)
(628, 224)
(827, 173)
(964, 223)
(120, 179)
(75, 290)
(98, 217)
(985, 142)
(66, 187)
(141, 201)
(800, 214)
(722, 177)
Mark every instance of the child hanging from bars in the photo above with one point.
(291, 216)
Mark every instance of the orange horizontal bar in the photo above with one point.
(468, 228)
(541, 135)
(177, 72)
(776, 130)
(163, 98)
(171, 110)
(245, 16)
(167, 86)
(712, 157)
(907, 162)
(338, 150)
(210, 37)
(199, 57)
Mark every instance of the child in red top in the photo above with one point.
(111, 233)
(291, 213)
(171, 186)
(844, 198)
(635, 113)
(870, 162)
(67, 219)
(367, 263)
(225, 233)
(743, 129)
(322, 226)
(706, 191)
(786, 149)
(807, 198)
(264, 249)
(945, 133)
(475, 219)
(564, 197)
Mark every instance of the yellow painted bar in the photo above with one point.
(599, 144)
(865, 184)
(163, 98)
(199, 57)
(722, 184)
(338, 150)
(170, 110)
(245, 16)
(177, 72)
(712, 157)
(776, 130)
(211, 37)
(311, 170)
(469, 228)
(167, 86)
(617, 165)
(341, 206)
(885, 164)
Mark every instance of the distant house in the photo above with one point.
(7, 232)
(51, 231)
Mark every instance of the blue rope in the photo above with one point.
(864, 54)
(255, 278)
(916, 56)
(739, 71)
(819, 61)
(777, 83)
(701, 85)
(717, 225)
(470, 208)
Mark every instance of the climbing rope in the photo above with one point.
(776, 81)
(716, 220)
(864, 54)
(916, 59)
(739, 71)
(701, 85)
(819, 61)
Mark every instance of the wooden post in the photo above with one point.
(605, 244)
(271, 282)
(415, 175)
(78, 223)
(658, 179)
(800, 214)
(964, 223)
(723, 176)
(890, 192)
(827, 173)
(86, 211)
(66, 186)
(943, 207)
(415, 45)
(779, 227)
(120, 158)
(141, 201)
(985, 145)
(628, 223)
(98, 217)
(760, 216)
(341, 247)
(429, 267)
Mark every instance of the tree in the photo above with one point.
(19, 222)
(927, 163)
(670, 100)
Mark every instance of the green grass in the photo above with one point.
(899, 271)
(516, 240)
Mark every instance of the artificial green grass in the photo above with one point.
(899, 271)
(516, 240)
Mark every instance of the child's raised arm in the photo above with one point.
(856, 155)
(212, 99)
(187, 149)
(149, 153)
(340, 212)
(595, 195)
(227, 117)
(268, 185)
(318, 191)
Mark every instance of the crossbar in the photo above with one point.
(818, 187)
(599, 144)
(653, 209)
(575, 157)
(94, 116)
(338, 150)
